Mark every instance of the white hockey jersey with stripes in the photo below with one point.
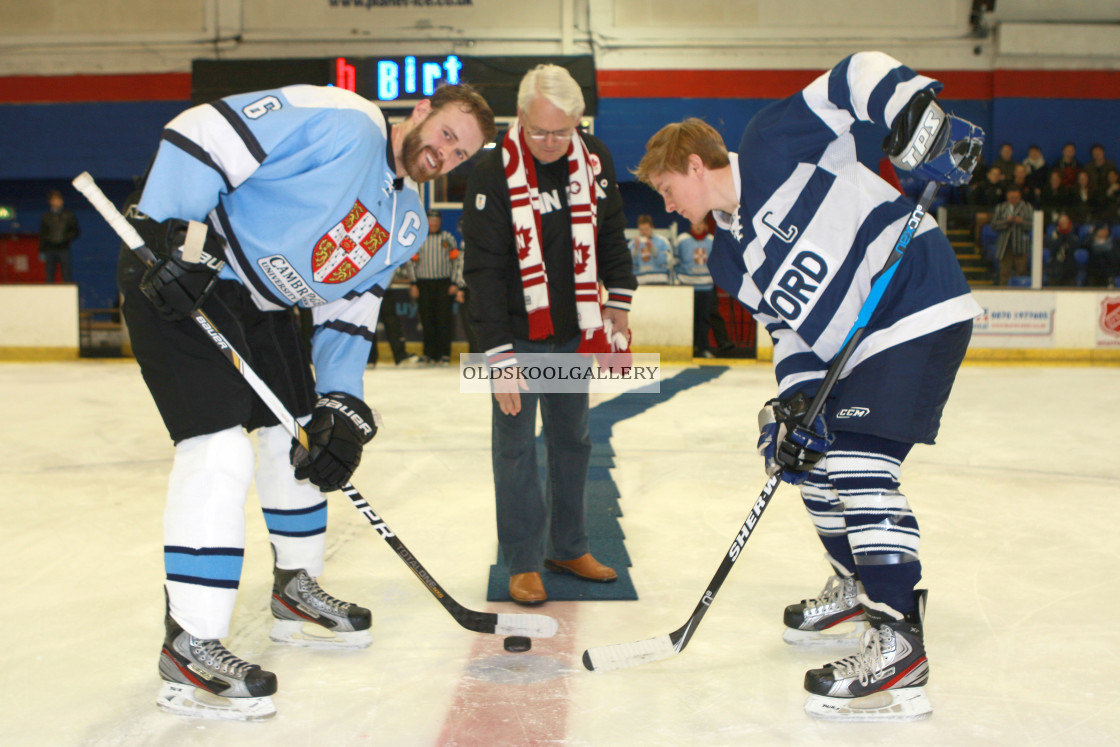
(815, 226)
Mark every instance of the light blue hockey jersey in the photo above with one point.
(299, 182)
(692, 261)
(651, 261)
(815, 226)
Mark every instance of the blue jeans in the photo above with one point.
(532, 520)
(59, 258)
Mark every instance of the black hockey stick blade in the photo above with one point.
(532, 626)
(625, 655)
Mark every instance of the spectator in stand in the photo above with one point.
(1111, 197)
(1068, 165)
(1019, 179)
(1098, 167)
(1005, 163)
(1055, 197)
(1037, 172)
(693, 250)
(652, 254)
(1104, 256)
(57, 230)
(983, 197)
(1086, 203)
(1012, 221)
(1062, 241)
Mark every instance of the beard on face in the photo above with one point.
(415, 156)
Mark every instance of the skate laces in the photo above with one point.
(309, 588)
(218, 657)
(869, 658)
(830, 595)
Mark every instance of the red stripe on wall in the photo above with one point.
(1057, 84)
(702, 84)
(619, 84)
(966, 85)
(53, 89)
(774, 84)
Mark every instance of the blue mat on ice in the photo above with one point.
(603, 509)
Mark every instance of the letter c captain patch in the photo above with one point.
(479, 201)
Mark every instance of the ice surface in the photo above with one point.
(1017, 505)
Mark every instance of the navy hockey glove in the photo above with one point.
(785, 444)
(340, 426)
(186, 267)
(932, 144)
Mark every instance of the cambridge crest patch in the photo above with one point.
(348, 247)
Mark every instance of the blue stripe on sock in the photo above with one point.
(208, 566)
(203, 581)
(300, 522)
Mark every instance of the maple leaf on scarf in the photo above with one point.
(582, 252)
(522, 235)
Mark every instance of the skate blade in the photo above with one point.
(844, 634)
(300, 633)
(903, 704)
(194, 702)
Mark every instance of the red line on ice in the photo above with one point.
(495, 714)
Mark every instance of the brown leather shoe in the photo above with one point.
(585, 566)
(527, 589)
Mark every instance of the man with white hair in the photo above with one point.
(542, 226)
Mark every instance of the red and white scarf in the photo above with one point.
(525, 201)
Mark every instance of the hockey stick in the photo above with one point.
(623, 655)
(533, 626)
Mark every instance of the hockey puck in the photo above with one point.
(517, 644)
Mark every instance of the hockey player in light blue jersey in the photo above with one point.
(804, 227)
(302, 196)
(692, 251)
(652, 254)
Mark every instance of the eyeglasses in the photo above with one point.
(536, 134)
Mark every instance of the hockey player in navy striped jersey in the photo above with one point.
(803, 229)
(255, 204)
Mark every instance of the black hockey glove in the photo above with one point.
(785, 444)
(177, 284)
(935, 145)
(340, 426)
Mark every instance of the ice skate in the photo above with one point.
(834, 618)
(885, 680)
(201, 678)
(308, 616)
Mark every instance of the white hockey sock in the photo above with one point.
(295, 511)
(204, 529)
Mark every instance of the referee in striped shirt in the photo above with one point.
(432, 272)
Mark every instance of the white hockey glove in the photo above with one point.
(786, 445)
(932, 144)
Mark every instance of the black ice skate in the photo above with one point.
(201, 678)
(308, 616)
(885, 680)
(835, 617)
